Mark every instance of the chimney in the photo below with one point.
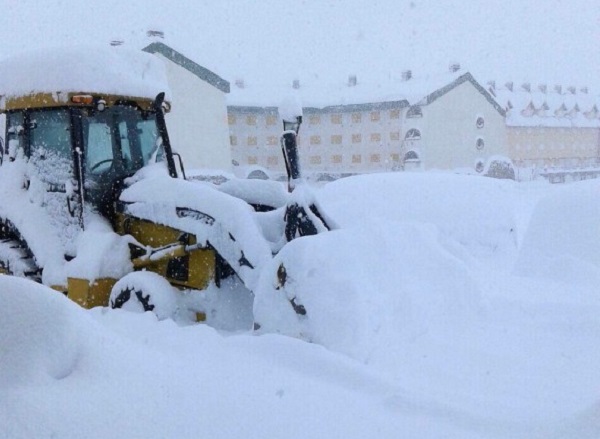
(406, 75)
(558, 89)
(509, 85)
(543, 88)
(527, 87)
(571, 89)
(296, 84)
(155, 33)
(352, 80)
(239, 83)
(454, 67)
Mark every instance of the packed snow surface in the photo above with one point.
(440, 306)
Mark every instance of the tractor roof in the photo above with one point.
(50, 77)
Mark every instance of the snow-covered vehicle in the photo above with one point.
(92, 199)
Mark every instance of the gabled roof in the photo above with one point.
(467, 77)
(550, 107)
(181, 60)
(371, 94)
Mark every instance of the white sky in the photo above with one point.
(279, 40)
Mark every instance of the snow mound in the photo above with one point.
(563, 236)
(366, 291)
(475, 212)
(43, 333)
(254, 191)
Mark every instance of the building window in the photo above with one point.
(271, 120)
(315, 140)
(411, 156)
(336, 119)
(356, 117)
(356, 138)
(272, 140)
(375, 116)
(252, 141)
(479, 143)
(480, 122)
(395, 114)
(375, 158)
(395, 157)
(336, 139)
(233, 140)
(337, 158)
(314, 120)
(272, 161)
(315, 160)
(356, 158)
(250, 120)
(252, 160)
(415, 111)
(395, 135)
(413, 134)
(231, 119)
(375, 137)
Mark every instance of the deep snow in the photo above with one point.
(442, 306)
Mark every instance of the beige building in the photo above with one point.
(553, 132)
(449, 122)
(198, 120)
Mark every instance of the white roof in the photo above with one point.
(101, 69)
(316, 92)
(552, 108)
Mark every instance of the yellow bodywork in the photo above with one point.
(62, 99)
(199, 263)
(88, 293)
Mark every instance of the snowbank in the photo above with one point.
(43, 336)
(66, 372)
(563, 237)
(476, 213)
(366, 291)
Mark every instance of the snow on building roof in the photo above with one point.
(549, 106)
(181, 60)
(356, 93)
(95, 69)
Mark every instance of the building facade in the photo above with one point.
(552, 132)
(456, 126)
(198, 119)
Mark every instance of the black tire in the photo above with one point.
(143, 291)
(129, 294)
(17, 260)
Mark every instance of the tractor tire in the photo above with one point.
(17, 260)
(144, 291)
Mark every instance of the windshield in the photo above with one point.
(50, 145)
(120, 140)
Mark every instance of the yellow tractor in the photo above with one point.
(93, 202)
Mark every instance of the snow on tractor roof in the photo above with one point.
(96, 69)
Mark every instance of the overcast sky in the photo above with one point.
(554, 41)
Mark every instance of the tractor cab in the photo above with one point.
(86, 145)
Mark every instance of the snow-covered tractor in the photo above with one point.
(92, 198)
